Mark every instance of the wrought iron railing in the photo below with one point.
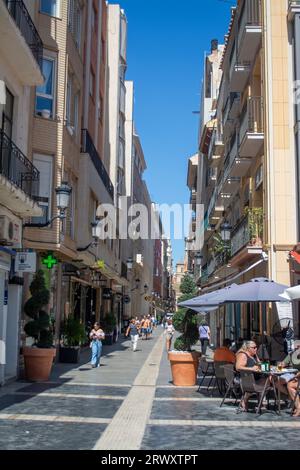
(17, 168)
(240, 236)
(252, 119)
(22, 18)
(87, 146)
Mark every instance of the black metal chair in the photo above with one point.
(206, 367)
(233, 383)
(251, 387)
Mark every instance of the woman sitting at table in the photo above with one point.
(287, 383)
(248, 361)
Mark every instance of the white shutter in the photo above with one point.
(44, 165)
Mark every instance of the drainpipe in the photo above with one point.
(297, 114)
(87, 67)
(99, 58)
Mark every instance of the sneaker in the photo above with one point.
(98, 365)
(93, 366)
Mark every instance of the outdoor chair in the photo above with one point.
(249, 385)
(232, 381)
(206, 367)
(220, 379)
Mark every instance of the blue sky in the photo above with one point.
(167, 40)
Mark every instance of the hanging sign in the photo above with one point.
(25, 262)
(107, 293)
(126, 299)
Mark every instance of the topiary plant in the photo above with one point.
(110, 323)
(39, 327)
(185, 321)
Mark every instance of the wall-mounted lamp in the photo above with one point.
(95, 236)
(63, 193)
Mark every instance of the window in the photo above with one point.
(75, 21)
(45, 93)
(50, 7)
(72, 105)
(69, 222)
(7, 117)
(44, 164)
(92, 80)
(259, 177)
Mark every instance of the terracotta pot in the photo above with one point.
(184, 366)
(38, 363)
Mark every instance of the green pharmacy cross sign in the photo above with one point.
(50, 261)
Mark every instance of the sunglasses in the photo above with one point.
(253, 347)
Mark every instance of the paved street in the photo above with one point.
(130, 403)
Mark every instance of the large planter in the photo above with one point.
(38, 363)
(69, 355)
(184, 367)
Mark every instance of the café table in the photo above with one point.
(274, 372)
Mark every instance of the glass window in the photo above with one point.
(75, 20)
(7, 118)
(45, 92)
(50, 7)
(44, 163)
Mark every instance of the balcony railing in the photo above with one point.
(252, 116)
(250, 15)
(87, 146)
(248, 231)
(17, 168)
(240, 236)
(22, 18)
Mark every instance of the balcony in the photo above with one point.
(252, 127)
(20, 42)
(231, 111)
(87, 146)
(122, 98)
(235, 167)
(238, 75)
(19, 179)
(250, 30)
(294, 8)
(244, 245)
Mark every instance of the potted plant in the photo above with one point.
(110, 323)
(185, 362)
(73, 335)
(39, 357)
(46, 113)
(255, 224)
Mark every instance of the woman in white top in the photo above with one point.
(169, 332)
(96, 336)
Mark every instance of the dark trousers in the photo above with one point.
(204, 343)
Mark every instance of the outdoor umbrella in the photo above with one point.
(212, 299)
(259, 289)
(292, 293)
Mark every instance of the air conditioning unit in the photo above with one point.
(7, 231)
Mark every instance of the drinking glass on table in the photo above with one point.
(280, 366)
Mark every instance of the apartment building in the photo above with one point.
(250, 150)
(21, 50)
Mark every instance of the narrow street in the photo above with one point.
(130, 403)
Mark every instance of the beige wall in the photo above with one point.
(280, 162)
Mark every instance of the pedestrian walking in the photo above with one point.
(204, 335)
(97, 335)
(134, 333)
(169, 332)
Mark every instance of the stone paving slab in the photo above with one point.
(219, 438)
(32, 435)
(75, 389)
(64, 406)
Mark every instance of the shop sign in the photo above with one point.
(107, 293)
(285, 314)
(49, 261)
(25, 262)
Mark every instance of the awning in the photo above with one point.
(295, 256)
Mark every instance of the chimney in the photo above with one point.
(214, 45)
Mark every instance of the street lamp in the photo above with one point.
(198, 258)
(63, 193)
(226, 231)
(95, 236)
(146, 288)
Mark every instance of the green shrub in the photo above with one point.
(73, 332)
(39, 326)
